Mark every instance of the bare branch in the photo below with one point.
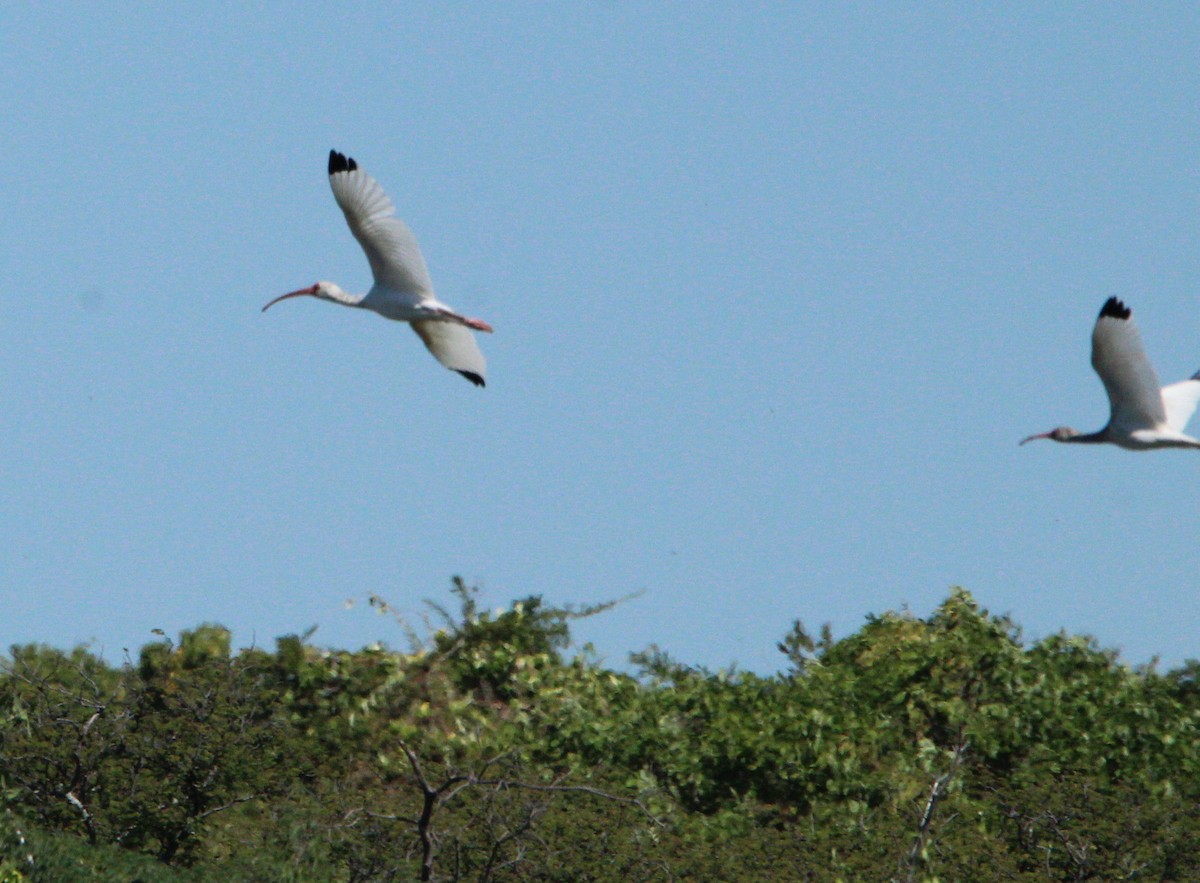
(936, 792)
(228, 805)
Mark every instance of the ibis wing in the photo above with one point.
(1129, 378)
(454, 346)
(1180, 400)
(391, 248)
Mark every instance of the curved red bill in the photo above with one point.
(312, 289)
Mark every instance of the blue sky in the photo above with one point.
(777, 289)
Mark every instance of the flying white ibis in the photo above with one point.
(1143, 416)
(402, 289)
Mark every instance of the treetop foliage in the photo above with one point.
(936, 748)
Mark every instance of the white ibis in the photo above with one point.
(402, 289)
(1143, 416)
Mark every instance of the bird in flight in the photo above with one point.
(1143, 416)
(403, 290)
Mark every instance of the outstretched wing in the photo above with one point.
(1129, 378)
(391, 248)
(1180, 400)
(454, 346)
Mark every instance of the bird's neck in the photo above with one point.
(339, 295)
(1089, 438)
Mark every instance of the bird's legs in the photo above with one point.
(477, 324)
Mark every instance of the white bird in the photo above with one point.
(1143, 416)
(402, 289)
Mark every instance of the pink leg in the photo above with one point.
(477, 324)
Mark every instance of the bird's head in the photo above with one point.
(323, 290)
(1060, 434)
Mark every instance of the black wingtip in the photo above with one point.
(473, 377)
(339, 162)
(1114, 309)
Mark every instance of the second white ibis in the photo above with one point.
(402, 290)
(1143, 415)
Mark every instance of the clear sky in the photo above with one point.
(777, 289)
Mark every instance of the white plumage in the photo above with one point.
(402, 290)
(1143, 415)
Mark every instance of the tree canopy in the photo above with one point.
(937, 748)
